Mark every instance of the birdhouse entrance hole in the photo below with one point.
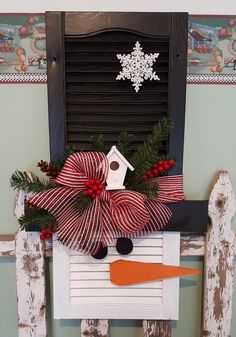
(114, 165)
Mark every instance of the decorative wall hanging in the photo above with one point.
(212, 49)
(137, 67)
(89, 219)
(23, 48)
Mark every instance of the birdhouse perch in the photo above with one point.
(117, 169)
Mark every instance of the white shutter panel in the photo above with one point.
(82, 287)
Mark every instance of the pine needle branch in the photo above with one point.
(98, 143)
(124, 144)
(21, 180)
(60, 161)
(147, 153)
(148, 188)
(82, 202)
(37, 217)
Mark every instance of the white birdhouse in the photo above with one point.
(117, 169)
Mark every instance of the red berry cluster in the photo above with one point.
(47, 233)
(94, 188)
(158, 167)
(49, 168)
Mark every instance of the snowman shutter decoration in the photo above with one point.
(118, 166)
(89, 201)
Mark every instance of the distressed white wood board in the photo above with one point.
(219, 260)
(30, 283)
(82, 287)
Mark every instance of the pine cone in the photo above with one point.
(43, 165)
(49, 168)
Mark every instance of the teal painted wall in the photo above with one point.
(210, 140)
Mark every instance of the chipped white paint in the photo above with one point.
(19, 204)
(30, 283)
(192, 246)
(7, 246)
(156, 328)
(94, 328)
(220, 250)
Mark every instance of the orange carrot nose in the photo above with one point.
(123, 272)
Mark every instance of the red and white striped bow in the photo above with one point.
(112, 214)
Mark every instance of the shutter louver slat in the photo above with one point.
(96, 103)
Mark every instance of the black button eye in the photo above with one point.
(101, 253)
(124, 246)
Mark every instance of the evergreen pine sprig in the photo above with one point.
(37, 217)
(124, 144)
(148, 152)
(60, 161)
(98, 143)
(82, 202)
(144, 187)
(21, 180)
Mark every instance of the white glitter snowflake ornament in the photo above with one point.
(137, 67)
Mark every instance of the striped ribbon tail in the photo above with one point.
(170, 188)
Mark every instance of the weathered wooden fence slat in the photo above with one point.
(94, 328)
(219, 261)
(152, 328)
(30, 284)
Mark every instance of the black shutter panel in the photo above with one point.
(84, 96)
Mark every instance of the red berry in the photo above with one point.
(155, 172)
(101, 186)
(171, 162)
(94, 188)
(166, 166)
(91, 181)
(97, 181)
(87, 183)
(160, 162)
(149, 174)
(89, 192)
(42, 237)
(48, 235)
(98, 193)
(160, 168)
(53, 229)
(93, 196)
